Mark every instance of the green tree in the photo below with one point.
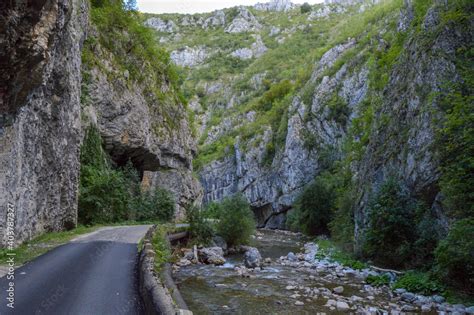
(200, 229)
(236, 220)
(392, 226)
(305, 8)
(314, 208)
(455, 256)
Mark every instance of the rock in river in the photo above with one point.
(252, 258)
(212, 255)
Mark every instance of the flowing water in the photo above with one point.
(209, 289)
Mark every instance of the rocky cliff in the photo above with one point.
(139, 113)
(40, 126)
(350, 81)
(52, 89)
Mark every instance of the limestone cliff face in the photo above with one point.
(40, 126)
(136, 126)
(404, 146)
(48, 97)
(272, 189)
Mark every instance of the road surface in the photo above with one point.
(94, 274)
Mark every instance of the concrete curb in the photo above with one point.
(155, 294)
(167, 277)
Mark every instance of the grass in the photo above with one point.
(287, 64)
(327, 250)
(161, 246)
(42, 244)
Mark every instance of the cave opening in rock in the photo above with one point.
(262, 214)
(122, 161)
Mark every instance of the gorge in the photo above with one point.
(348, 118)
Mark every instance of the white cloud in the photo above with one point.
(197, 6)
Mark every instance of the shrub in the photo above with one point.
(339, 111)
(276, 92)
(305, 8)
(379, 280)
(212, 210)
(418, 282)
(455, 140)
(108, 194)
(391, 231)
(103, 195)
(102, 191)
(455, 256)
(157, 204)
(236, 220)
(327, 250)
(314, 207)
(342, 224)
(200, 230)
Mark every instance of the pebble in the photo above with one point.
(408, 308)
(291, 257)
(426, 308)
(330, 303)
(338, 290)
(356, 298)
(438, 299)
(299, 303)
(342, 306)
(400, 291)
(408, 297)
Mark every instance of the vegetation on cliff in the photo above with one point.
(111, 194)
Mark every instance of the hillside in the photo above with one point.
(349, 93)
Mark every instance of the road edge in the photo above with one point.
(155, 294)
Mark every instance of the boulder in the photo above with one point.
(252, 258)
(220, 242)
(212, 255)
(438, 299)
(408, 297)
(338, 290)
(291, 257)
(342, 306)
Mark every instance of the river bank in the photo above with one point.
(293, 280)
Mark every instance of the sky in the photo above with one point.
(197, 6)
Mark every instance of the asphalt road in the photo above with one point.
(94, 274)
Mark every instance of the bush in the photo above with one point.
(236, 220)
(276, 92)
(342, 224)
(418, 282)
(157, 204)
(455, 256)
(200, 229)
(108, 194)
(313, 208)
(305, 8)
(391, 231)
(455, 140)
(379, 280)
(339, 110)
(211, 211)
(102, 191)
(103, 196)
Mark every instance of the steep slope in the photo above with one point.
(53, 87)
(130, 94)
(40, 127)
(282, 96)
